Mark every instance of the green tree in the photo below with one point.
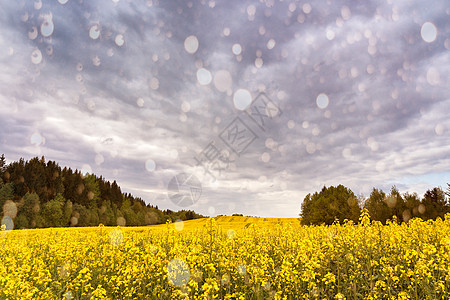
(2, 166)
(30, 208)
(52, 212)
(106, 214)
(82, 215)
(35, 178)
(67, 212)
(128, 213)
(377, 207)
(6, 193)
(92, 191)
(153, 216)
(395, 203)
(21, 222)
(412, 206)
(435, 204)
(330, 204)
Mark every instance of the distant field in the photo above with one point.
(238, 222)
(229, 258)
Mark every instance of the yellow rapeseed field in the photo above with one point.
(229, 258)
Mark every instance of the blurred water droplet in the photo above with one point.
(99, 159)
(7, 223)
(291, 124)
(150, 165)
(178, 272)
(271, 44)
(242, 99)
(211, 209)
(265, 157)
(49, 50)
(242, 270)
(37, 139)
(33, 33)
(330, 34)
(91, 105)
(223, 80)
(96, 61)
(306, 8)
(116, 236)
(322, 101)
(204, 77)
(10, 209)
(24, 17)
(231, 233)
(68, 295)
(347, 153)
(179, 225)
(185, 106)
(121, 221)
(439, 129)
(345, 12)
(310, 148)
(154, 83)
(259, 62)
(237, 49)
(47, 27)
(38, 5)
(191, 44)
(86, 169)
(94, 32)
(251, 10)
(428, 32)
(119, 40)
(73, 221)
(292, 7)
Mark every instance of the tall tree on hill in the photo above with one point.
(54, 179)
(6, 193)
(35, 178)
(92, 191)
(435, 204)
(412, 206)
(46, 195)
(330, 204)
(52, 212)
(14, 173)
(2, 166)
(395, 203)
(30, 209)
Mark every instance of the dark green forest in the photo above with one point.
(37, 194)
(339, 203)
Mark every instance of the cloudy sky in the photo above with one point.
(142, 92)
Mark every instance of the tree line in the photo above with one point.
(36, 194)
(340, 203)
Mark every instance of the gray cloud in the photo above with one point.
(110, 107)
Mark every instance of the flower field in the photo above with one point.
(229, 258)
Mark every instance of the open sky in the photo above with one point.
(351, 92)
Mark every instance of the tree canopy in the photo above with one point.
(339, 203)
(330, 204)
(37, 193)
